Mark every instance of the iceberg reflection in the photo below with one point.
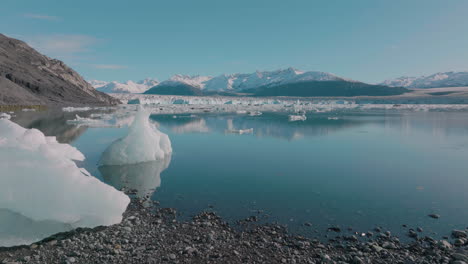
(140, 179)
(17, 229)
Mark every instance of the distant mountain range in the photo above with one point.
(285, 82)
(441, 79)
(30, 78)
(126, 87)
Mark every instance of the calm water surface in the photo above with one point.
(361, 170)
(349, 169)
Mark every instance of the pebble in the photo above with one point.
(154, 235)
(459, 234)
(444, 244)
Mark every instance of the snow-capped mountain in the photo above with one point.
(286, 82)
(239, 81)
(194, 81)
(441, 79)
(97, 84)
(127, 87)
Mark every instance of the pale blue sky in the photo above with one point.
(367, 40)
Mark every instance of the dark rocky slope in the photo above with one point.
(327, 88)
(30, 78)
(174, 90)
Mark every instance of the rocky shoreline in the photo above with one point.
(154, 235)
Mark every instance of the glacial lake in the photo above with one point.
(352, 169)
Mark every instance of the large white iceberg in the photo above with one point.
(40, 180)
(144, 142)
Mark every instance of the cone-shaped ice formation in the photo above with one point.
(143, 143)
(40, 180)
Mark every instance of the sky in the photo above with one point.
(366, 40)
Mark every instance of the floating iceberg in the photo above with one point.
(40, 181)
(297, 118)
(143, 143)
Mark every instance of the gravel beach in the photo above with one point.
(154, 235)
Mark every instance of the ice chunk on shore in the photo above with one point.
(40, 180)
(143, 143)
(5, 116)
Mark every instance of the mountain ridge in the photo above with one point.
(436, 80)
(283, 82)
(29, 78)
(125, 87)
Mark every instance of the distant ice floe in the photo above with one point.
(255, 113)
(243, 105)
(84, 109)
(40, 181)
(293, 118)
(144, 142)
(174, 105)
(76, 109)
(118, 119)
(240, 131)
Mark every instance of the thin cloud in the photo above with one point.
(41, 17)
(109, 66)
(62, 45)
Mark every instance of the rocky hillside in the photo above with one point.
(30, 78)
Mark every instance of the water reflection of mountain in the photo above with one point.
(51, 123)
(266, 125)
(142, 179)
(182, 123)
